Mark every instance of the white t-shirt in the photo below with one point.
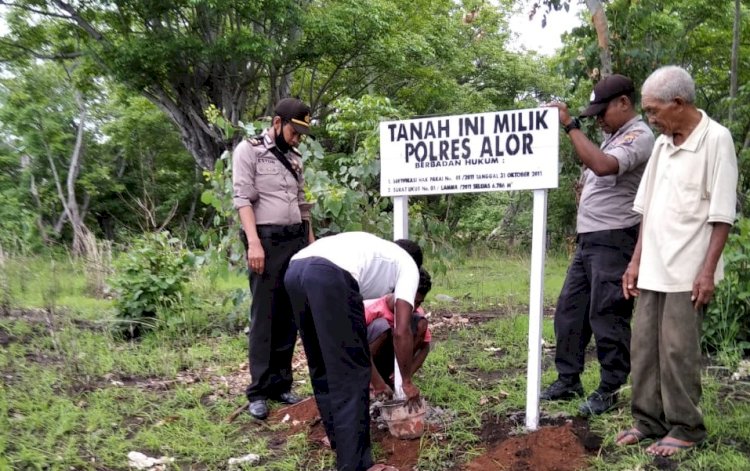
(684, 190)
(379, 266)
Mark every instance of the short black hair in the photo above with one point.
(413, 249)
(425, 282)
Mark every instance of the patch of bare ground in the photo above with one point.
(43, 316)
(560, 444)
(444, 319)
(304, 417)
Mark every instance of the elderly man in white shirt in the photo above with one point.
(687, 198)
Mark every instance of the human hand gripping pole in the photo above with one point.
(562, 110)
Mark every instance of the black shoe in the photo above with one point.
(258, 409)
(288, 398)
(561, 390)
(598, 403)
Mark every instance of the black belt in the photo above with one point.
(617, 235)
(277, 231)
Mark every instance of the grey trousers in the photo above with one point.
(666, 366)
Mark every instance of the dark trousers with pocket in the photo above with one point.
(330, 314)
(272, 329)
(591, 303)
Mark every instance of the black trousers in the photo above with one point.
(272, 329)
(330, 314)
(591, 302)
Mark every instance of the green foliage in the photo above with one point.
(345, 182)
(18, 231)
(152, 181)
(222, 236)
(74, 397)
(148, 276)
(726, 326)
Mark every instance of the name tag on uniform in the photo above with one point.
(267, 167)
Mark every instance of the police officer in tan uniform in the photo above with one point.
(270, 199)
(591, 302)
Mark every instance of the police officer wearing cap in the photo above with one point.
(270, 199)
(591, 301)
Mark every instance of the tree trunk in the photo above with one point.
(184, 97)
(81, 233)
(196, 197)
(599, 19)
(733, 82)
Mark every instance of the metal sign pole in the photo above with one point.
(400, 231)
(536, 305)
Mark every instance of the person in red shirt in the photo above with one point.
(379, 319)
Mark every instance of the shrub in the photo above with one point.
(149, 276)
(726, 327)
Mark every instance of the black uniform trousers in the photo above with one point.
(591, 302)
(272, 330)
(330, 314)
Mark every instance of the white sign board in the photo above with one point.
(498, 151)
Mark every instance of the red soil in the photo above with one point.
(547, 449)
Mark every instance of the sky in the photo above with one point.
(531, 35)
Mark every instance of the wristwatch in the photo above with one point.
(574, 123)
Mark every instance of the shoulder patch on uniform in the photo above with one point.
(255, 140)
(296, 151)
(629, 137)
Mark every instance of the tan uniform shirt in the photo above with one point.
(261, 181)
(607, 201)
(685, 189)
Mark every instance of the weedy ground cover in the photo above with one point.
(74, 396)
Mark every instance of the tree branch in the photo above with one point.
(79, 20)
(34, 10)
(38, 55)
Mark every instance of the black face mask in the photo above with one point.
(280, 141)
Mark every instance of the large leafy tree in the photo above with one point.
(182, 55)
(242, 56)
(50, 123)
(696, 34)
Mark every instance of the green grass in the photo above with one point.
(73, 396)
(489, 280)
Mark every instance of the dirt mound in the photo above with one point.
(301, 416)
(547, 449)
(559, 447)
(304, 417)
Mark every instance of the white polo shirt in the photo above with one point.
(684, 189)
(379, 266)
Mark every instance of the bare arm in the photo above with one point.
(310, 233)
(630, 277)
(419, 358)
(591, 156)
(403, 345)
(378, 384)
(703, 286)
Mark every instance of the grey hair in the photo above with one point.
(669, 82)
